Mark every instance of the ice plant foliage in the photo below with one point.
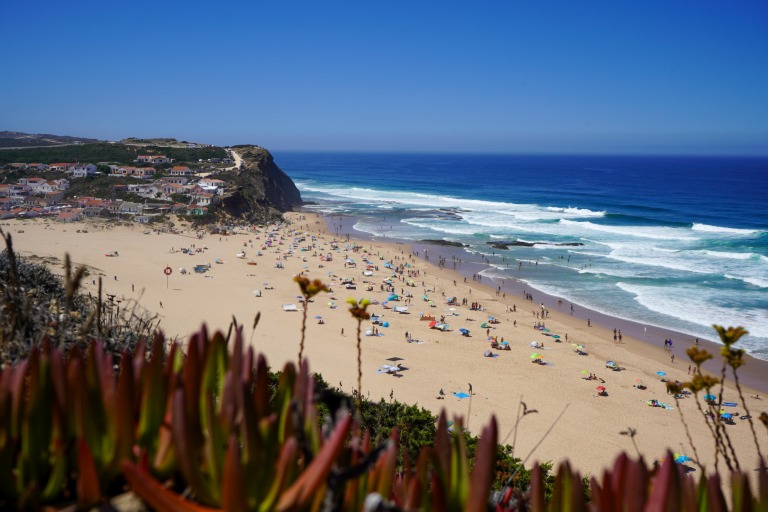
(206, 430)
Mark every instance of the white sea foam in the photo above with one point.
(719, 229)
(692, 304)
(494, 273)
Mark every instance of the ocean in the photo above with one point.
(678, 243)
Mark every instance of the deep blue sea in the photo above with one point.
(675, 242)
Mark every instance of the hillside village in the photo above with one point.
(156, 184)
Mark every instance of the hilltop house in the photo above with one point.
(62, 184)
(144, 190)
(212, 185)
(153, 159)
(70, 216)
(129, 208)
(181, 170)
(175, 180)
(83, 170)
(61, 166)
(136, 172)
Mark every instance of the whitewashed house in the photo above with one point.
(84, 170)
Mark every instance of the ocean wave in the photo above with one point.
(656, 233)
(754, 281)
(731, 255)
(719, 229)
(452, 229)
(575, 212)
(523, 212)
(697, 306)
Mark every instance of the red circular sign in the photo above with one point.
(168, 271)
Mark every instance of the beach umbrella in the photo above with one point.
(464, 331)
(534, 344)
(585, 372)
(681, 459)
(535, 355)
(661, 374)
(484, 325)
(504, 343)
(556, 336)
(385, 324)
(432, 323)
(600, 388)
(709, 397)
(726, 416)
(318, 317)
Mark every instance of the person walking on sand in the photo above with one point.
(470, 388)
(342, 331)
(673, 358)
(589, 322)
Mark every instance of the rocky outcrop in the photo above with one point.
(263, 192)
(502, 245)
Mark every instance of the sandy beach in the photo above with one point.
(589, 431)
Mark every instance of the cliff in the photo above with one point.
(263, 190)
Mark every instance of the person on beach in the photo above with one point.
(589, 322)
(470, 388)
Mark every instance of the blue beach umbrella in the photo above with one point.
(709, 397)
(726, 416)
(682, 459)
(462, 331)
(661, 374)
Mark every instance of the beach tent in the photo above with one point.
(290, 307)
(257, 293)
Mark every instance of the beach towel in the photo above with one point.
(460, 394)
(729, 404)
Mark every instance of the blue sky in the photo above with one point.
(497, 76)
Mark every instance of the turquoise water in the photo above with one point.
(675, 242)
